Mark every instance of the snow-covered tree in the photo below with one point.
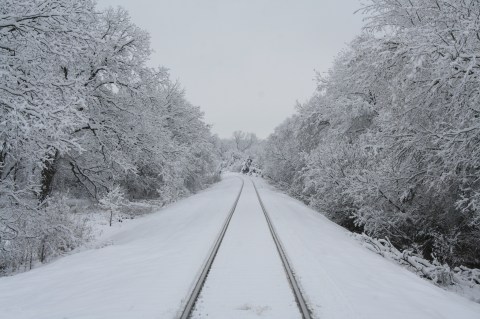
(240, 147)
(390, 143)
(82, 112)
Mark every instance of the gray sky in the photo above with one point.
(245, 62)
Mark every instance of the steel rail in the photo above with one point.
(189, 306)
(305, 312)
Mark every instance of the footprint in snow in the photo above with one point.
(258, 310)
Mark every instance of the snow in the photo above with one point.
(144, 271)
(247, 279)
(341, 279)
(147, 268)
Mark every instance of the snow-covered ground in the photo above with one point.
(341, 279)
(147, 269)
(247, 279)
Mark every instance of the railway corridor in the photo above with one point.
(247, 278)
(151, 267)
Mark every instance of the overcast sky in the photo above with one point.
(245, 62)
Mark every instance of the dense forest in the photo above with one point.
(389, 144)
(82, 116)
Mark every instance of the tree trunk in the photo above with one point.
(48, 173)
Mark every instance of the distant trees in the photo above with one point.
(81, 112)
(244, 141)
(238, 149)
(390, 142)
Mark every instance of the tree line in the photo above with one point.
(389, 144)
(81, 113)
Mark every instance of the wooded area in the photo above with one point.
(389, 144)
(81, 116)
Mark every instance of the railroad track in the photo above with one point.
(300, 300)
(302, 305)
(190, 305)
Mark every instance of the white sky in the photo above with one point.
(245, 62)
